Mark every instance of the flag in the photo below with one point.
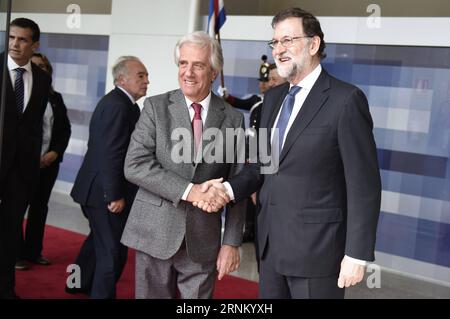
(216, 17)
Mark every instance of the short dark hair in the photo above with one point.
(311, 26)
(27, 24)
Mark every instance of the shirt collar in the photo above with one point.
(204, 103)
(128, 94)
(308, 82)
(13, 65)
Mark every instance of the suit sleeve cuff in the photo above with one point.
(229, 190)
(356, 261)
(187, 191)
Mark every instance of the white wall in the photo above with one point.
(149, 30)
(351, 30)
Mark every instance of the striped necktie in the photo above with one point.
(19, 90)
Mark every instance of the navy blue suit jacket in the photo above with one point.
(101, 179)
(324, 200)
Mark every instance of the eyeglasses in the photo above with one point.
(285, 42)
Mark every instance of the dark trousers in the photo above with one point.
(274, 285)
(30, 247)
(14, 201)
(102, 257)
(250, 217)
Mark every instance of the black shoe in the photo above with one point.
(21, 265)
(41, 260)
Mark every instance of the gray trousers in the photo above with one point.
(175, 277)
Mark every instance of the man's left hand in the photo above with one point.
(351, 273)
(228, 260)
(48, 158)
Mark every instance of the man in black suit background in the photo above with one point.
(100, 187)
(318, 211)
(26, 99)
(56, 135)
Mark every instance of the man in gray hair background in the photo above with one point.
(100, 187)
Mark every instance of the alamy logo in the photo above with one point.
(74, 279)
(229, 147)
(374, 279)
(374, 20)
(74, 19)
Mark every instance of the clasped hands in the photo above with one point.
(209, 196)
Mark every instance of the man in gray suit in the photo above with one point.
(179, 247)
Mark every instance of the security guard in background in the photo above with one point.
(251, 104)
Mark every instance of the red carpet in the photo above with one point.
(62, 246)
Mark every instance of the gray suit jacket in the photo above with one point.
(159, 220)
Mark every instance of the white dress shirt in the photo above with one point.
(27, 79)
(205, 108)
(47, 128)
(128, 94)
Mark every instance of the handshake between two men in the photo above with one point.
(209, 196)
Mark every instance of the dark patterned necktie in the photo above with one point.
(19, 89)
(285, 114)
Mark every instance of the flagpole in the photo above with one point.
(222, 78)
(4, 78)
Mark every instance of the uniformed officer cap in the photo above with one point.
(264, 69)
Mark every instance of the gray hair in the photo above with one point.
(203, 40)
(119, 68)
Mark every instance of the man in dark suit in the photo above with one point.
(26, 99)
(319, 210)
(56, 135)
(100, 187)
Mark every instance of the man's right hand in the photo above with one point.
(214, 186)
(209, 196)
(116, 206)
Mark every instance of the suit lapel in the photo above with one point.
(178, 110)
(313, 103)
(214, 120)
(10, 91)
(35, 89)
(133, 109)
(123, 96)
(11, 98)
(180, 117)
(215, 115)
(274, 112)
